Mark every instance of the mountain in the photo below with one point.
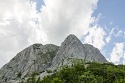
(39, 58)
(72, 48)
(35, 58)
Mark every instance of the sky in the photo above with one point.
(96, 22)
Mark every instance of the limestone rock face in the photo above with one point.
(72, 47)
(35, 58)
(38, 58)
(92, 54)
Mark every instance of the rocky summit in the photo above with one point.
(38, 58)
(72, 48)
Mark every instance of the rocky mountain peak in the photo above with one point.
(38, 58)
(70, 38)
(72, 48)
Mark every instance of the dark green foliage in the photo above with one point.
(77, 73)
(56, 80)
(32, 79)
(22, 82)
(49, 71)
(19, 75)
(3, 77)
(94, 73)
(41, 71)
(38, 80)
(35, 73)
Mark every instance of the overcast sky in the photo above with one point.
(97, 22)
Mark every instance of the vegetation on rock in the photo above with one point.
(93, 73)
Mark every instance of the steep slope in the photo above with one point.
(72, 47)
(35, 58)
(93, 54)
(38, 58)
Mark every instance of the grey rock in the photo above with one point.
(72, 47)
(92, 54)
(35, 58)
(38, 58)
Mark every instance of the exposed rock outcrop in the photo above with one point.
(72, 47)
(38, 57)
(92, 54)
(35, 58)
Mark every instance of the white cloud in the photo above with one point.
(109, 35)
(120, 33)
(22, 25)
(95, 37)
(64, 17)
(18, 27)
(118, 54)
(117, 32)
(108, 39)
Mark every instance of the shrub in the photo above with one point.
(19, 75)
(49, 71)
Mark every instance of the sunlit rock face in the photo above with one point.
(35, 58)
(38, 58)
(72, 47)
(92, 54)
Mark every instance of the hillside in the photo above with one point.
(78, 73)
(40, 59)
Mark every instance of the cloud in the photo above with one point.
(114, 33)
(108, 39)
(118, 54)
(117, 32)
(95, 36)
(22, 25)
(18, 27)
(65, 17)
